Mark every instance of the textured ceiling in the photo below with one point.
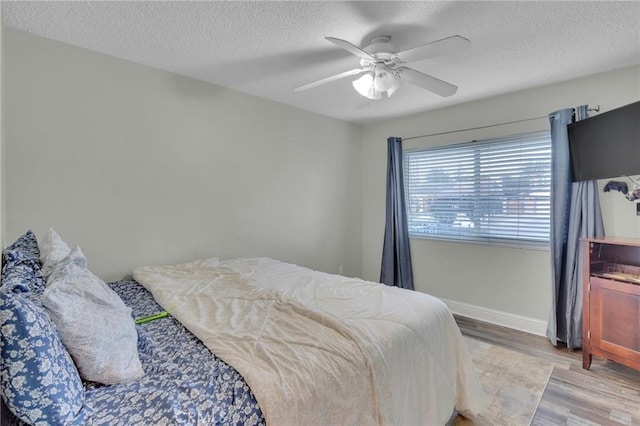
(267, 48)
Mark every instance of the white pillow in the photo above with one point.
(74, 258)
(52, 250)
(95, 326)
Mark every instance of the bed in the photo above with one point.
(244, 341)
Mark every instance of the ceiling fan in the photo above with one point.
(384, 70)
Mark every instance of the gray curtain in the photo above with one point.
(396, 267)
(575, 214)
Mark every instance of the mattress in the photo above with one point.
(281, 326)
(405, 362)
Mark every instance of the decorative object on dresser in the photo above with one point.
(611, 305)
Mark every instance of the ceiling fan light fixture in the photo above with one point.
(364, 86)
(383, 81)
(363, 83)
(393, 88)
(383, 78)
(375, 85)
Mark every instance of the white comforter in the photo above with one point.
(323, 349)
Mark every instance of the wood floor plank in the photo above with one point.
(606, 394)
(550, 413)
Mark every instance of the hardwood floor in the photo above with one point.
(606, 394)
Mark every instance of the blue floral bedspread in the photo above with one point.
(184, 384)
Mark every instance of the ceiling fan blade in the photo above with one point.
(354, 71)
(351, 48)
(446, 45)
(425, 81)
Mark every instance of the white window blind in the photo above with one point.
(493, 191)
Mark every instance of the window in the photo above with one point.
(493, 191)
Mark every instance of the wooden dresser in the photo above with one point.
(611, 303)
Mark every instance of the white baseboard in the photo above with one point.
(505, 319)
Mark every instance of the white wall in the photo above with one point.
(2, 224)
(618, 213)
(140, 166)
(493, 283)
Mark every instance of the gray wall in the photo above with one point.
(140, 166)
(510, 286)
(2, 223)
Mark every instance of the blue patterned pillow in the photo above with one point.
(26, 243)
(22, 270)
(22, 258)
(40, 383)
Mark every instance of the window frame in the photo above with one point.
(541, 201)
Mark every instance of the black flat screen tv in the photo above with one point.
(606, 145)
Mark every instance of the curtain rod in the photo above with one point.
(595, 108)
